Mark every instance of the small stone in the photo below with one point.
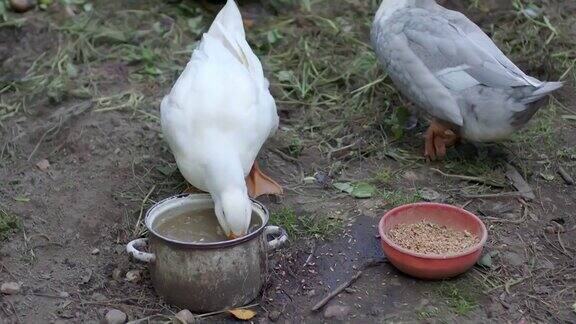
(64, 294)
(22, 5)
(115, 316)
(117, 274)
(311, 293)
(429, 194)
(274, 315)
(376, 311)
(411, 176)
(86, 278)
(134, 275)
(555, 228)
(43, 165)
(546, 264)
(395, 282)
(98, 297)
(95, 251)
(10, 288)
(322, 178)
(337, 311)
(513, 259)
(185, 317)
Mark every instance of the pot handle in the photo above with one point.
(132, 249)
(280, 237)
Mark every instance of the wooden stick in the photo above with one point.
(488, 182)
(566, 176)
(139, 221)
(336, 291)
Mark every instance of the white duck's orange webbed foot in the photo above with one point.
(191, 190)
(260, 184)
(437, 138)
(233, 236)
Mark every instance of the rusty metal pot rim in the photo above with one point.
(264, 214)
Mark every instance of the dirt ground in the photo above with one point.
(80, 87)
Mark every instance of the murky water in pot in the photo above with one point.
(199, 226)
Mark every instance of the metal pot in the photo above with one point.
(206, 277)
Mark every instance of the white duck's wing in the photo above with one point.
(221, 99)
(436, 53)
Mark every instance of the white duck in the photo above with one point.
(216, 118)
(451, 69)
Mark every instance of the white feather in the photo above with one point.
(218, 115)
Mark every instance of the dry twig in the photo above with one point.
(336, 291)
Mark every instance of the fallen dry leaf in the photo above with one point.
(43, 164)
(243, 314)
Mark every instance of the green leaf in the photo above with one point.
(71, 70)
(87, 7)
(344, 186)
(363, 190)
(195, 24)
(273, 36)
(152, 70)
(166, 170)
(547, 176)
(21, 199)
(285, 76)
(486, 261)
(360, 190)
(108, 35)
(397, 121)
(3, 11)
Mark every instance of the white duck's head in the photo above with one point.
(234, 211)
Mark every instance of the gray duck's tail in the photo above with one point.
(542, 91)
(522, 117)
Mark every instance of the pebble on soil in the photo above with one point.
(115, 316)
(10, 288)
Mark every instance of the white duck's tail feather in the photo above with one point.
(230, 19)
(228, 29)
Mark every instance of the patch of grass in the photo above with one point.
(336, 96)
(397, 198)
(536, 31)
(540, 131)
(384, 176)
(8, 224)
(483, 161)
(428, 312)
(461, 300)
(96, 51)
(295, 147)
(567, 153)
(305, 226)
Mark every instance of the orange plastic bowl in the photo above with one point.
(432, 266)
